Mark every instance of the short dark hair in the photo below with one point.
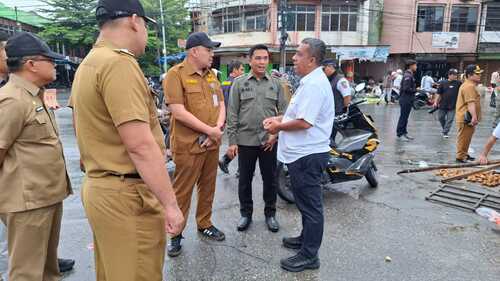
(410, 62)
(317, 49)
(257, 47)
(235, 64)
(15, 64)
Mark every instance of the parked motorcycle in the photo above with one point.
(351, 160)
(422, 98)
(358, 92)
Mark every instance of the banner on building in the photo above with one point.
(445, 40)
(375, 54)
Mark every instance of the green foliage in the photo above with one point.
(73, 23)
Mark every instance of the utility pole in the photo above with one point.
(283, 34)
(164, 51)
(18, 26)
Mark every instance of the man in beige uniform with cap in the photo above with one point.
(33, 178)
(127, 194)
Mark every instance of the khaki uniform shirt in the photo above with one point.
(201, 95)
(109, 90)
(251, 101)
(33, 173)
(466, 94)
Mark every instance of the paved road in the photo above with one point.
(425, 241)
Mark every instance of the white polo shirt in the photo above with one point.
(313, 103)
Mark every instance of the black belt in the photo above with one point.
(129, 176)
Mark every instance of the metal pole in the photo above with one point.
(18, 26)
(165, 65)
(283, 35)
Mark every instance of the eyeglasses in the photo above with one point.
(47, 60)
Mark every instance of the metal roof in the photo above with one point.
(29, 18)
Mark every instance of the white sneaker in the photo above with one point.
(445, 136)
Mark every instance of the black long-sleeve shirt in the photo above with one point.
(408, 86)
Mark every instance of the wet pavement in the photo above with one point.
(363, 226)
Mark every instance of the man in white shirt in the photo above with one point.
(303, 145)
(396, 84)
(483, 158)
(427, 83)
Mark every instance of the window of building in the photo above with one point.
(232, 23)
(300, 17)
(463, 19)
(338, 17)
(430, 18)
(256, 21)
(492, 18)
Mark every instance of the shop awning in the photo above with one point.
(489, 56)
(362, 53)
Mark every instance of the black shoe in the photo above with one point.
(244, 223)
(461, 160)
(223, 163)
(470, 158)
(292, 242)
(213, 233)
(272, 224)
(174, 247)
(65, 265)
(299, 263)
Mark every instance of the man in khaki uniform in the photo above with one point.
(127, 194)
(468, 104)
(254, 97)
(33, 177)
(195, 97)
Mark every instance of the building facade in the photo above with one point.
(440, 34)
(351, 27)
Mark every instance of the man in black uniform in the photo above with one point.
(407, 96)
(446, 100)
(341, 90)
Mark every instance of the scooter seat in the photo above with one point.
(352, 143)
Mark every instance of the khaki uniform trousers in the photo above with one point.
(128, 228)
(200, 170)
(33, 238)
(464, 137)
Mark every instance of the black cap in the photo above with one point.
(113, 9)
(473, 69)
(330, 62)
(453, 71)
(200, 39)
(27, 44)
(4, 36)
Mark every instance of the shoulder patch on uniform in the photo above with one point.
(124, 51)
(344, 84)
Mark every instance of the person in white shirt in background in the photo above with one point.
(396, 84)
(303, 145)
(427, 83)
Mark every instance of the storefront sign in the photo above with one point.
(375, 54)
(445, 40)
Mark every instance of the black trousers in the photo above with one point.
(305, 176)
(247, 158)
(405, 105)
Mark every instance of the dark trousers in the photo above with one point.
(305, 176)
(405, 106)
(446, 118)
(247, 158)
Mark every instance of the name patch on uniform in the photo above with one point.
(38, 109)
(216, 100)
(191, 81)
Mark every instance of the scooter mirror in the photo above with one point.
(360, 87)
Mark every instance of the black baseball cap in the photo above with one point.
(453, 71)
(113, 9)
(200, 39)
(473, 69)
(330, 62)
(28, 44)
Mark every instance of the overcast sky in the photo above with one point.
(27, 5)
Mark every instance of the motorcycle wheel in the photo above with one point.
(284, 184)
(417, 105)
(371, 177)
